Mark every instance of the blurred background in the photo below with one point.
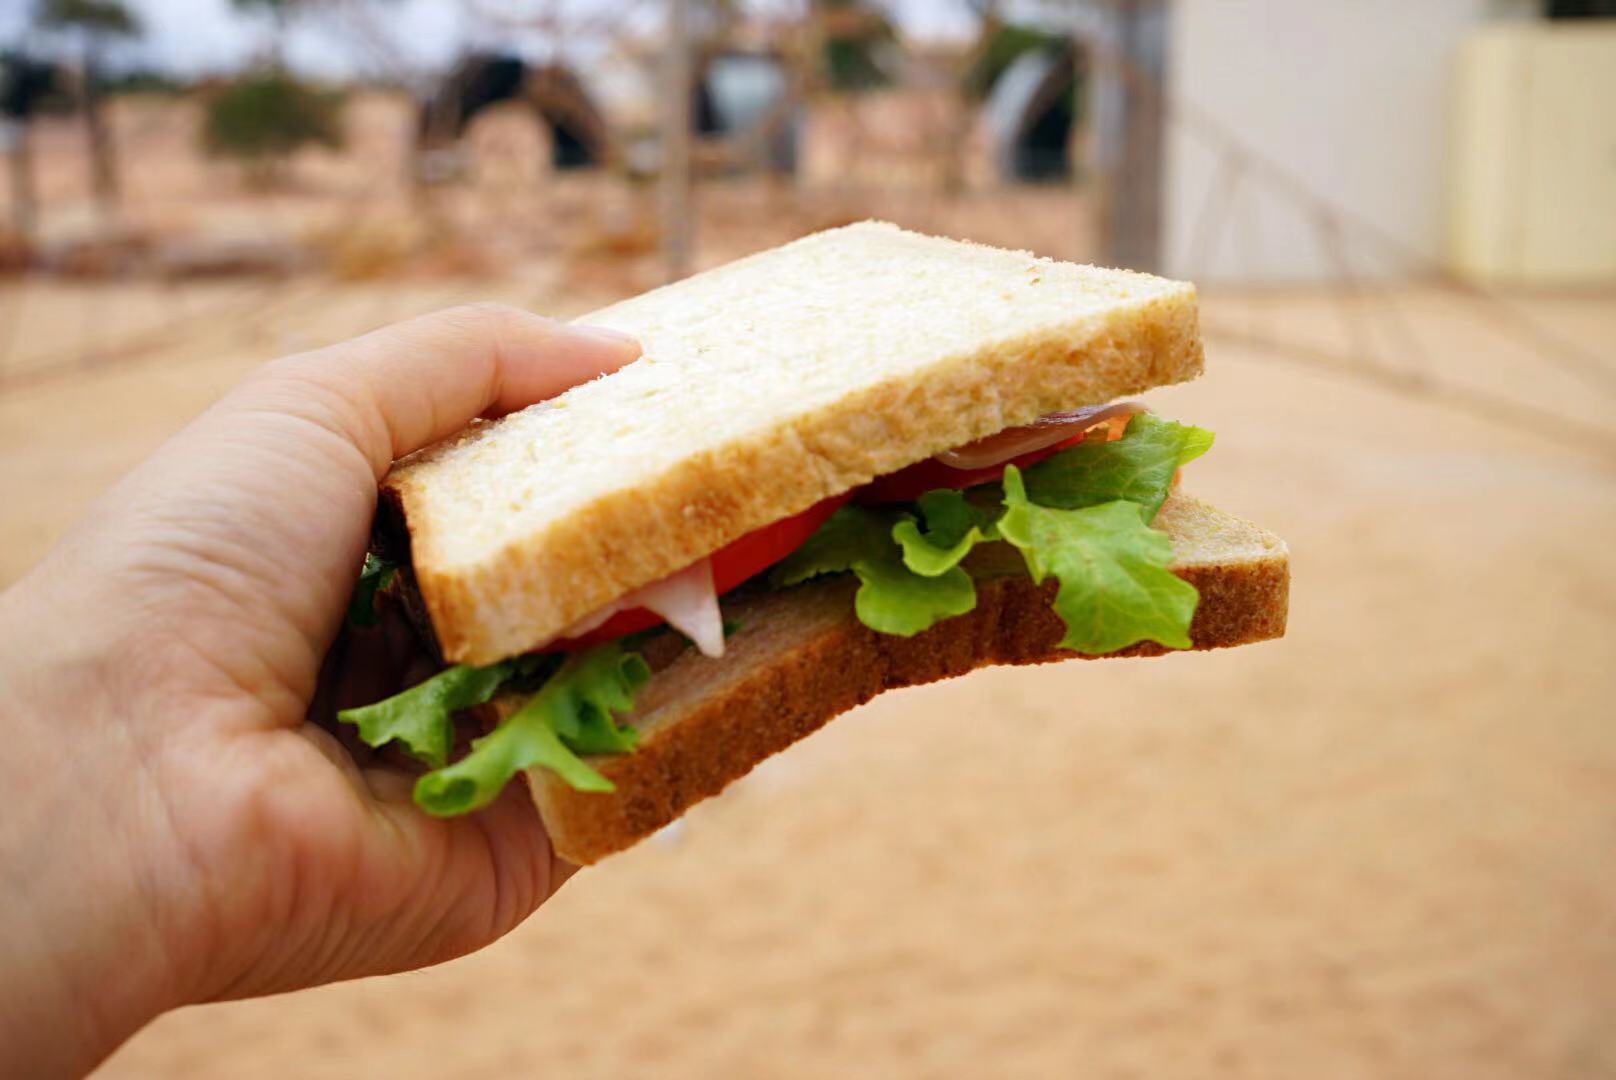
(1385, 846)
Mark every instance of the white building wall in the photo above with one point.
(1349, 95)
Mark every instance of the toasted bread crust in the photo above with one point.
(520, 593)
(703, 734)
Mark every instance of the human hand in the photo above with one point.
(174, 829)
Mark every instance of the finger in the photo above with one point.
(406, 386)
(332, 750)
(389, 785)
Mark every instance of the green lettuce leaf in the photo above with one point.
(1138, 467)
(1081, 516)
(375, 577)
(420, 716)
(571, 714)
(1115, 588)
(892, 597)
(848, 535)
(954, 525)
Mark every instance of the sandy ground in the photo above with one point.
(1383, 847)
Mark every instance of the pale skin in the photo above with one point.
(175, 828)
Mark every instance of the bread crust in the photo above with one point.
(801, 658)
(520, 594)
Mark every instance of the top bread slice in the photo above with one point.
(766, 385)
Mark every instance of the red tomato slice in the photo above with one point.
(733, 563)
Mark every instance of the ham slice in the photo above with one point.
(685, 600)
(1011, 443)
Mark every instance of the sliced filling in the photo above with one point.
(1075, 492)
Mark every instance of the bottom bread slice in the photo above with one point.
(799, 657)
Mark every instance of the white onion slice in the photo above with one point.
(1045, 431)
(686, 600)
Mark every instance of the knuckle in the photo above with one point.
(313, 388)
(482, 313)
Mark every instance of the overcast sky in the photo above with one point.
(193, 37)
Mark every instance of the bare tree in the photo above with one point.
(24, 83)
(94, 22)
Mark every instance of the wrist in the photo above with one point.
(86, 966)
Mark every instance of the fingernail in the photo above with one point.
(606, 333)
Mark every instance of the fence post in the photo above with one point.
(1128, 122)
(677, 227)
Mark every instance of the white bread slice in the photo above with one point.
(800, 658)
(766, 385)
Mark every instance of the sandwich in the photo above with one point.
(864, 460)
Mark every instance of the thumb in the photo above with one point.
(262, 507)
(403, 387)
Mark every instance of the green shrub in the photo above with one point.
(265, 116)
